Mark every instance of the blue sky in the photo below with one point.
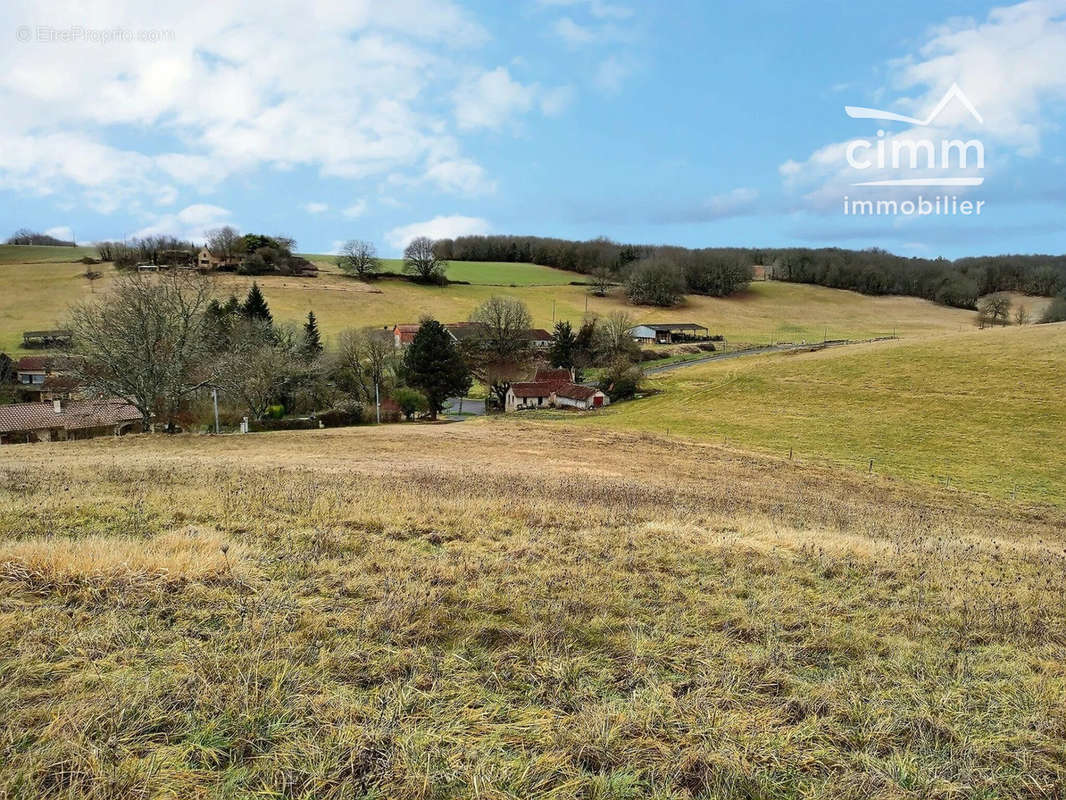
(695, 123)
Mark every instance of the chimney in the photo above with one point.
(57, 405)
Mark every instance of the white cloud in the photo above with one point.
(460, 176)
(353, 89)
(192, 222)
(436, 228)
(597, 8)
(316, 208)
(572, 33)
(1012, 66)
(732, 203)
(356, 209)
(611, 75)
(63, 232)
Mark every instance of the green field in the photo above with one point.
(985, 409)
(36, 295)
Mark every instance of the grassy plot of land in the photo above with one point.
(36, 296)
(38, 254)
(985, 409)
(511, 610)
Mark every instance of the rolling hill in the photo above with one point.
(37, 293)
(980, 410)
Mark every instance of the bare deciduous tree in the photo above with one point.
(613, 339)
(420, 260)
(359, 258)
(365, 358)
(994, 310)
(145, 341)
(255, 366)
(601, 282)
(505, 324)
(225, 242)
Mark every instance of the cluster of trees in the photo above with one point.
(421, 261)
(955, 283)
(162, 341)
(256, 253)
(998, 309)
(248, 254)
(160, 251)
(722, 271)
(653, 274)
(26, 236)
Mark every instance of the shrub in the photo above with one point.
(275, 411)
(410, 401)
(621, 380)
(655, 281)
(1056, 312)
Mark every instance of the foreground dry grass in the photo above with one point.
(435, 612)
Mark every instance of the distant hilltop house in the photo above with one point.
(62, 420)
(42, 378)
(553, 388)
(404, 334)
(206, 260)
(40, 340)
(669, 333)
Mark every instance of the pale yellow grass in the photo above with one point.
(37, 296)
(109, 563)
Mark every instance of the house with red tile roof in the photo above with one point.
(60, 420)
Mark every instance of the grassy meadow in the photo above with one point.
(36, 295)
(983, 410)
(557, 612)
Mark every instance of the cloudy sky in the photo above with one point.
(690, 122)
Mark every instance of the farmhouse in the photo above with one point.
(669, 333)
(207, 260)
(553, 388)
(404, 334)
(62, 420)
(44, 378)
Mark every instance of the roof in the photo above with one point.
(573, 391)
(532, 389)
(672, 326)
(537, 335)
(75, 415)
(41, 363)
(47, 334)
(408, 328)
(559, 374)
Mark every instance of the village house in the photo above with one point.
(553, 388)
(61, 420)
(206, 260)
(404, 334)
(669, 333)
(42, 378)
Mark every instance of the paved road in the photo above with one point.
(470, 406)
(755, 351)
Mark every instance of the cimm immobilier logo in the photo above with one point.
(915, 160)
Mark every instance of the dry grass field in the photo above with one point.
(503, 609)
(36, 295)
(983, 410)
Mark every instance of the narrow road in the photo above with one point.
(755, 351)
(470, 406)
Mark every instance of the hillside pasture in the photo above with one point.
(511, 610)
(36, 295)
(981, 410)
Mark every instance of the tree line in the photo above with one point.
(722, 271)
(27, 236)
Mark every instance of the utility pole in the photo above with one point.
(214, 398)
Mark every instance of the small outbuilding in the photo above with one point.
(669, 333)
